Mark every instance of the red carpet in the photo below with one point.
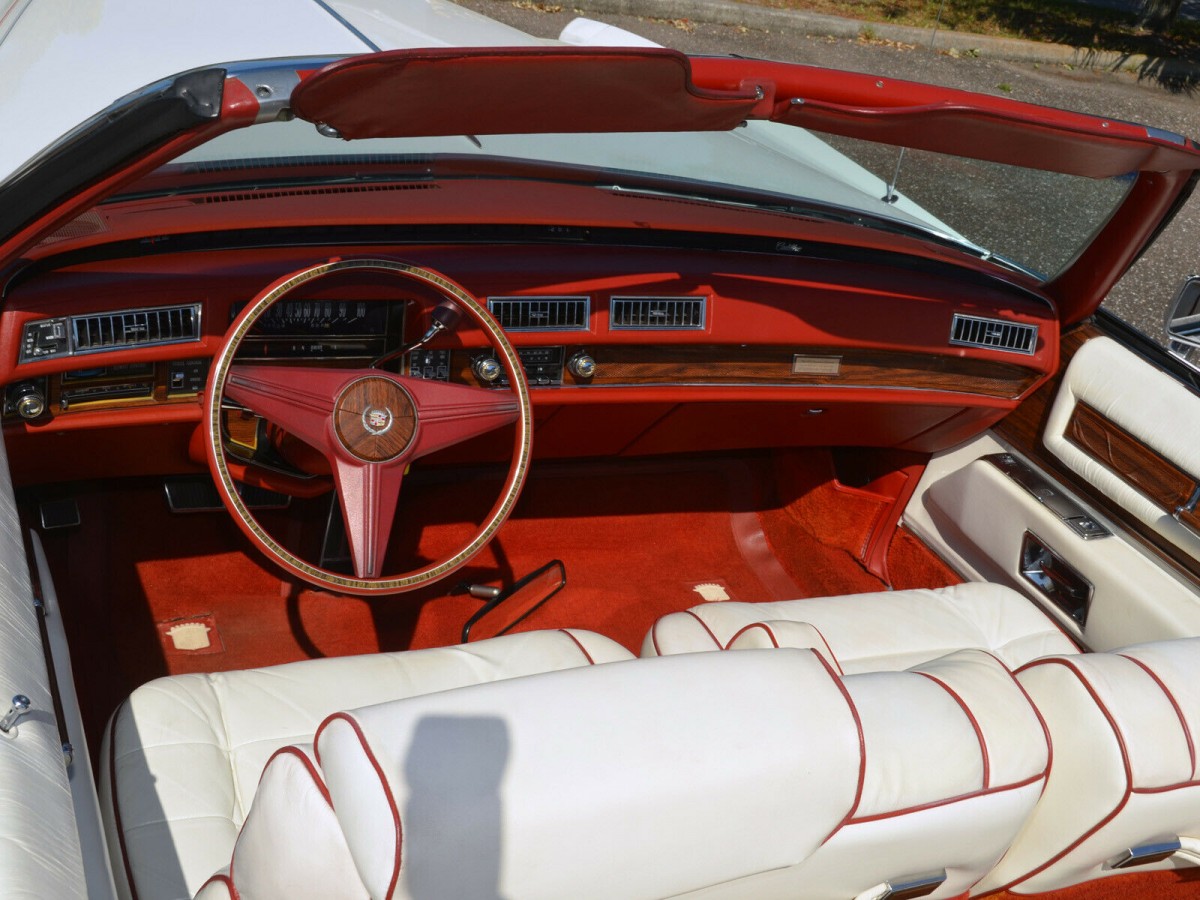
(1174, 885)
(636, 538)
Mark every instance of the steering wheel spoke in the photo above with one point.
(369, 493)
(297, 399)
(453, 413)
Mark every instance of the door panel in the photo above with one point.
(1109, 445)
(1133, 432)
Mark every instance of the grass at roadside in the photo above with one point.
(1059, 21)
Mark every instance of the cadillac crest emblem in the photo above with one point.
(377, 421)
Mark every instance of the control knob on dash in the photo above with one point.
(581, 365)
(487, 369)
(28, 400)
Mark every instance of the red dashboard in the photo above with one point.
(630, 350)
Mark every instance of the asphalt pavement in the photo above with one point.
(1030, 73)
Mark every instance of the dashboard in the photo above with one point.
(628, 350)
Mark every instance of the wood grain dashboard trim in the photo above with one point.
(635, 365)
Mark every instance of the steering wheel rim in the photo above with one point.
(218, 380)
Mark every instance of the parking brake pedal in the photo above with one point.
(59, 514)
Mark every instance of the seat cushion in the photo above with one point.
(887, 630)
(182, 756)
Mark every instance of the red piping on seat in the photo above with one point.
(228, 879)
(1074, 670)
(1037, 712)
(1187, 735)
(579, 644)
(703, 624)
(934, 804)
(862, 746)
(831, 659)
(824, 640)
(387, 790)
(763, 625)
(308, 766)
(322, 788)
(983, 750)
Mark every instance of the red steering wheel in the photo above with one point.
(370, 425)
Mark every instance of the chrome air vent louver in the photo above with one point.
(993, 334)
(541, 313)
(135, 328)
(124, 329)
(657, 313)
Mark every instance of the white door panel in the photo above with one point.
(977, 517)
(1148, 404)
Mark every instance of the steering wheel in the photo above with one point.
(370, 425)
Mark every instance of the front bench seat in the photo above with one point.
(181, 758)
(734, 775)
(881, 631)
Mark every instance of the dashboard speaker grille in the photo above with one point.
(994, 334)
(135, 328)
(541, 313)
(657, 313)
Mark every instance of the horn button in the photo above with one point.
(375, 419)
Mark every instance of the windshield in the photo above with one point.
(1034, 220)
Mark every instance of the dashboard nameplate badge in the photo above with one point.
(816, 365)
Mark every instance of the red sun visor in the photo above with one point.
(523, 90)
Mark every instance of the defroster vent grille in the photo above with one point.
(658, 313)
(135, 328)
(994, 334)
(541, 313)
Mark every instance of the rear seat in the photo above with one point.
(881, 631)
(753, 775)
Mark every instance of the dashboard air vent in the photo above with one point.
(541, 313)
(659, 313)
(993, 334)
(135, 328)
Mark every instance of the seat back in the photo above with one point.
(1125, 728)
(752, 774)
(183, 756)
(880, 631)
(644, 779)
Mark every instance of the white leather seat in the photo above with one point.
(887, 630)
(1125, 728)
(748, 775)
(182, 756)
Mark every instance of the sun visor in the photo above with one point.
(945, 120)
(991, 135)
(520, 90)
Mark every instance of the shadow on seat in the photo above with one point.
(181, 758)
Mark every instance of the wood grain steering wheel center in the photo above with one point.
(375, 419)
